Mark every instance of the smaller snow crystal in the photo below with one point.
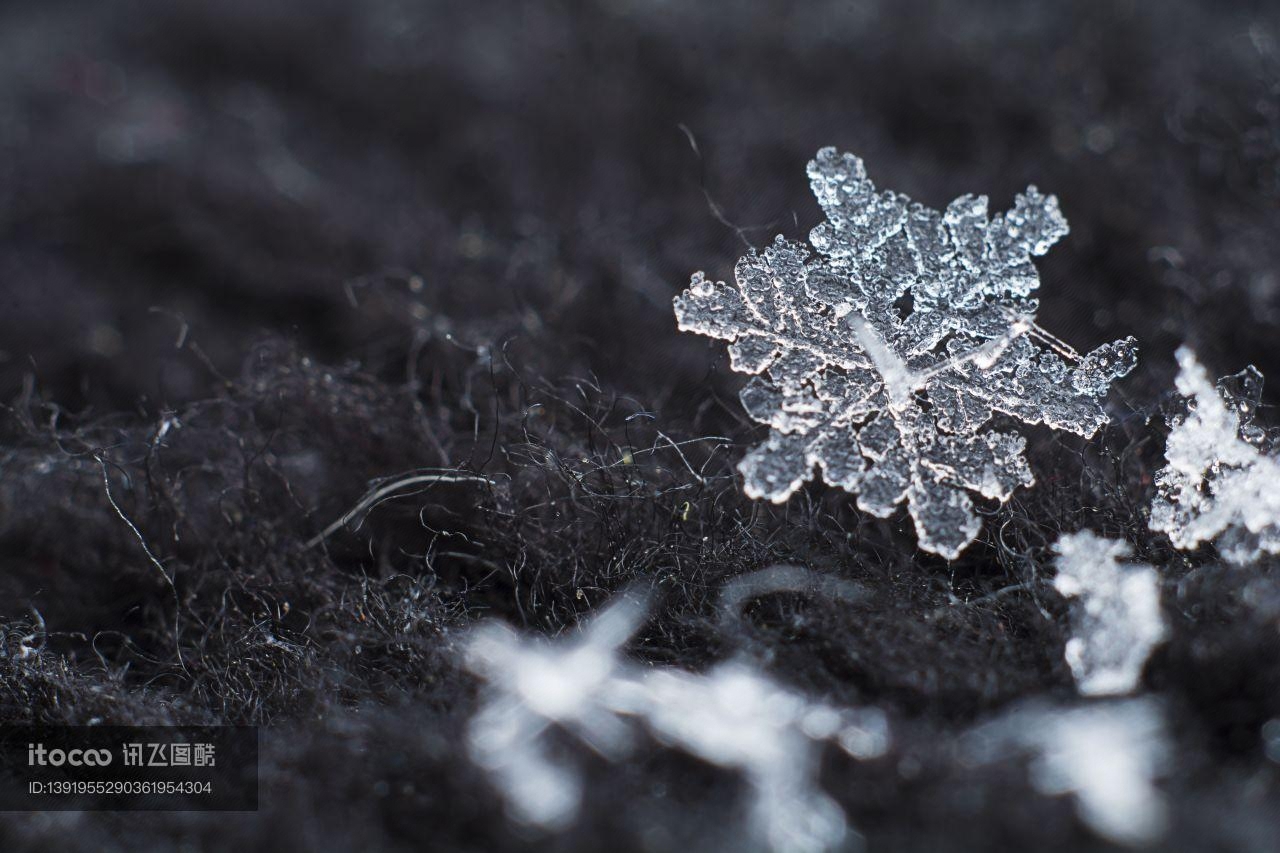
(1109, 755)
(1220, 480)
(537, 685)
(732, 716)
(1115, 615)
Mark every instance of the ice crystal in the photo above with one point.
(1109, 755)
(1116, 616)
(882, 358)
(1220, 480)
(536, 686)
(732, 716)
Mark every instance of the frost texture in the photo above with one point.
(1116, 616)
(1109, 755)
(882, 357)
(732, 716)
(1220, 482)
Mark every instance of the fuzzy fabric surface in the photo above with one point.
(261, 263)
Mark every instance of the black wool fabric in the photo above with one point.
(258, 260)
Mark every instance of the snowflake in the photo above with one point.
(536, 686)
(1108, 754)
(1116, 616)
(882, 358)
(731, 716)
(1220, 481)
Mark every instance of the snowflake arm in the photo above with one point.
(1219, 481)
(880, 357)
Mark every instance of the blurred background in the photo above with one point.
(568, 165)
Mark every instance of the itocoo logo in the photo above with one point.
(37, 755)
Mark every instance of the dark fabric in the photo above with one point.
(256, 256)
